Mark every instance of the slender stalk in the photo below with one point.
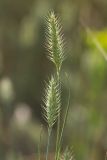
(39, 145)
(57, 140)
(58, 123)
(48, 142)
(64, 123)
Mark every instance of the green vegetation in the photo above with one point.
(74, 66)
(52, 97)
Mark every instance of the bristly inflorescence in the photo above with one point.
(52, 102)
(68, 154)
(55, 41)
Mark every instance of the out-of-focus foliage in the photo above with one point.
(24, 66)
(101, 36)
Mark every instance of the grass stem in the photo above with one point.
(48, 142)
(64, 122)
(39, 145)
(58, 123)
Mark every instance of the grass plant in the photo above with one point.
(52, 96)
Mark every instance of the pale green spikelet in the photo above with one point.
(68, 154)
(55, 41)
(52, 102)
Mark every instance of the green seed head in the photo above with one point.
(54, 40)
(51, 102)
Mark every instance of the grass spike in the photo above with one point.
(54, 40)
(52, 102)
(68, 154)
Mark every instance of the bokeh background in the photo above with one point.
(24, 67)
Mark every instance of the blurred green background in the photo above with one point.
(24, 67)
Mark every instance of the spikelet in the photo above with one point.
(52, 102)
(54, 40)
(68, 154)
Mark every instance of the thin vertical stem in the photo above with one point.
(48, 142)
(64, 122)
(58, 123)
(39, 145)
(58, 134)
